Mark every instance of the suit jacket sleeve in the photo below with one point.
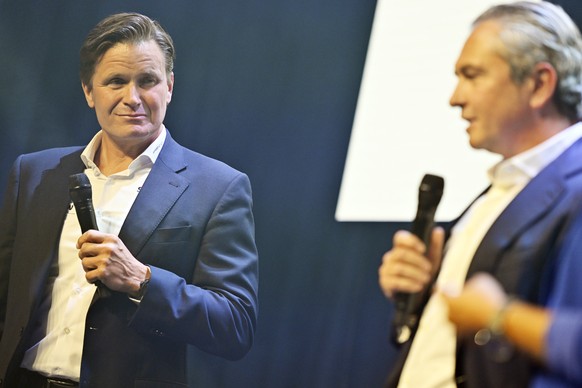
(564, 338)
(564, 345)
(217, 310)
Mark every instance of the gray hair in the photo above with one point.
(534, 32)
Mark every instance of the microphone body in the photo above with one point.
(82, 197)
(407, 304)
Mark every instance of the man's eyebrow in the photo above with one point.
(113, 75)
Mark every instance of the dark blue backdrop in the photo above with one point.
(269, 87)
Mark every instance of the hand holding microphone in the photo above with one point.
(124, 272)
(405, 270)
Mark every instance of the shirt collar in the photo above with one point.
(522, 167)
(146, 159)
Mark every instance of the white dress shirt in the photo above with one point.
(59, 353)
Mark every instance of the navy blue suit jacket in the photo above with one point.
(520, 250)
(192, 223)
(564, 340)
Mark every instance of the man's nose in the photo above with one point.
(132, 96)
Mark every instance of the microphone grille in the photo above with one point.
(430, 191)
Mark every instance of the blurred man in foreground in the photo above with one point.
(519, 88)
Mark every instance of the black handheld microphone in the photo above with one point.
(407, 304)
(82, 197)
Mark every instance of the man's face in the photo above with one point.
(497, 109)
(130, 92)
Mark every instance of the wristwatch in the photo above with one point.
(142, 287)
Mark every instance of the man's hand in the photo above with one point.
(406, 267)
(106, 259)
(475, 306)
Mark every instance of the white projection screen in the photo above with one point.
(403, 126)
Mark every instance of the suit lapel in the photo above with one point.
(160, 191)
(530, 205)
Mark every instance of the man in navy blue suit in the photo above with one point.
(173, 255)
(520, 90)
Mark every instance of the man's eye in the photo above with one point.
(149, 81)
(116, 81)
(472, 74)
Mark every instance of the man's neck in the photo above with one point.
(541, 130)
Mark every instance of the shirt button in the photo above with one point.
(67, 330)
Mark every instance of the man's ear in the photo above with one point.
(88, 91)
(545, 82)
(170, 87)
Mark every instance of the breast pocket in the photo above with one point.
(173, 249)
(172, 235)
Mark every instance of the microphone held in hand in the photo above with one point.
(430, 193)
(82, 197)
